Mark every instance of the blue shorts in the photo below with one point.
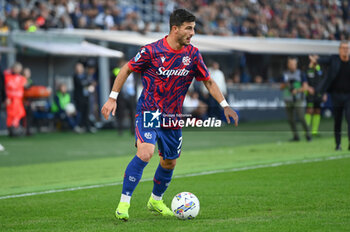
(169, 140)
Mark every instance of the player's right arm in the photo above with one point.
(111, 103)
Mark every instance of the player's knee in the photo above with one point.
(145, 155)
(145, 151)
(168, 164)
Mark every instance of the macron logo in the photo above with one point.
(162, 58)
(172, 72)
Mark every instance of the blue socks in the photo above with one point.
(161, 181)
(133, 174)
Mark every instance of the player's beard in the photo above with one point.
(188, 40)
(185, 40)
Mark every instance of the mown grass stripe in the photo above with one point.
(184, 175)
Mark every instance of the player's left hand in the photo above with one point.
(230, 113)
(109, 107)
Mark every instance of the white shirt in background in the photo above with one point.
(218, 76)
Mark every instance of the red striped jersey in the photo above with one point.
(166, 75)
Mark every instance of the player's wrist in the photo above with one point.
(114, 95)
(224, 104)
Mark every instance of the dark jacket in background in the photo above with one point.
(2, 86)
(81, 100)
(333, 63)
(81, 93)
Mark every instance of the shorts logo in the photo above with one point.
(151, 119)
(132, 179)
(148, 135)
(186, 60)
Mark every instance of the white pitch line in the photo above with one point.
(185, 175)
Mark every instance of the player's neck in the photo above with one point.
(173, 43)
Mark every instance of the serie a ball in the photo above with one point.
(185, 205)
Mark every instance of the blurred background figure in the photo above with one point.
(126, 101)
(64, 109)
(28, 119)
(2, 86)
(2, 95)
(14, 84)
(12, 19)
(194, 106)
(83, 88)
(337, 84)
(214, 109)
(293, 86)
(258, 79)
(234, 78)
(27, 73)
(91, 76)
(314, 98)
(104, 20)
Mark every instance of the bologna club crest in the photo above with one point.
(186, 60)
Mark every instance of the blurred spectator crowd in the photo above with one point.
(311, 19)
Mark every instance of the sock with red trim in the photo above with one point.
(133, 174)
(161, 181)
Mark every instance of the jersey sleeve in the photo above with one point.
(141, 60)
(202, 73)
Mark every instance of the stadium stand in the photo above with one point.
(319, 19)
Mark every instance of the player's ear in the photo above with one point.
(174, 28)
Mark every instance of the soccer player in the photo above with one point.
(167, 68)
(314, 99)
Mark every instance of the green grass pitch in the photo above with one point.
(285, 187)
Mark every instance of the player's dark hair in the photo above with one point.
(179, 16)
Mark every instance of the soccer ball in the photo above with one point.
(185, 205)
